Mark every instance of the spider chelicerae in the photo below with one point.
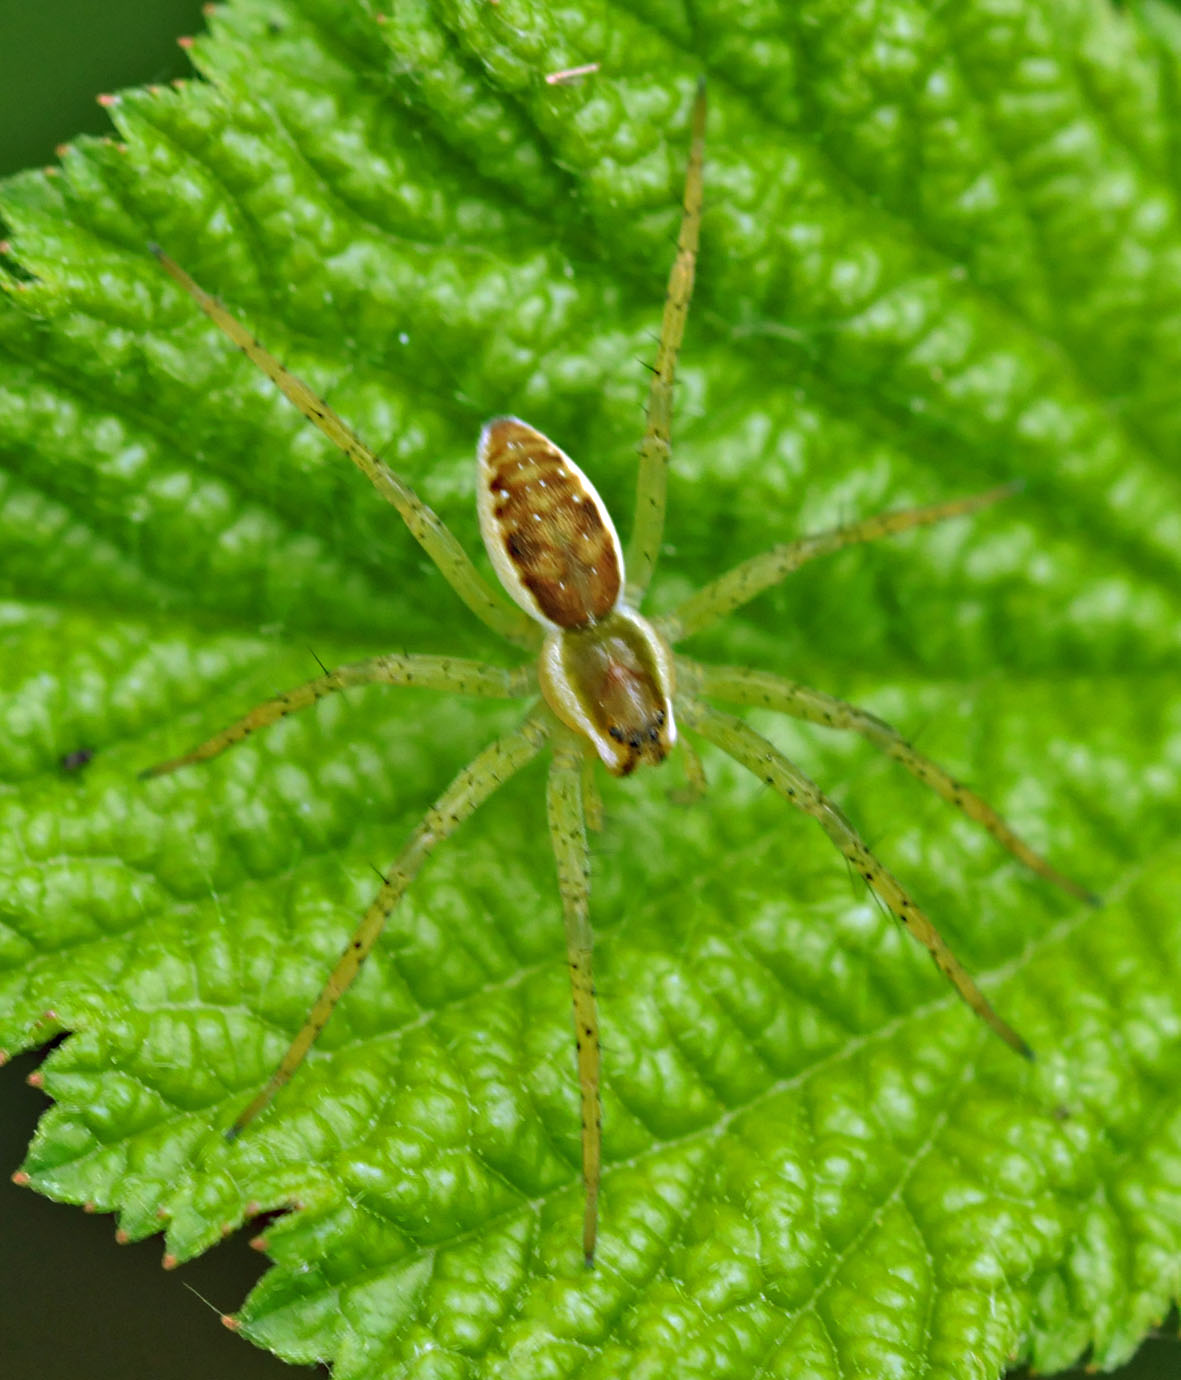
(602, 680)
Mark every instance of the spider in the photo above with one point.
(602, 680)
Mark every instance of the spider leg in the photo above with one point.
(564, 800)
(695, 783)
(739, 685)
(489, 770)
(652, 482)
(739, 741)
(739, 585)
(592, 800)
(429, 672)
(426, 527)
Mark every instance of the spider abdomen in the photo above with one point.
(546, 529)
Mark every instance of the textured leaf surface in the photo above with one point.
(941, 250)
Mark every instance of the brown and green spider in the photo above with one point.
(602, 680)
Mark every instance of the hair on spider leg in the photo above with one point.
(213, 1308)
(883, 835)
(858, 885)
(912, 738)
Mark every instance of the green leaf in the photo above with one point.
(941, 250)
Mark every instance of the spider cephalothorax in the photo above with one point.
(603, 679)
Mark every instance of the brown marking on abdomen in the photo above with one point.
(550, 526)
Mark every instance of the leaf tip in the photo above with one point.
(21, 1178)
(229, 1321)
(169, 1262)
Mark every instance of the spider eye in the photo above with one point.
(616, 732)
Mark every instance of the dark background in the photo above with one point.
(72, 1301)
(56, 56)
